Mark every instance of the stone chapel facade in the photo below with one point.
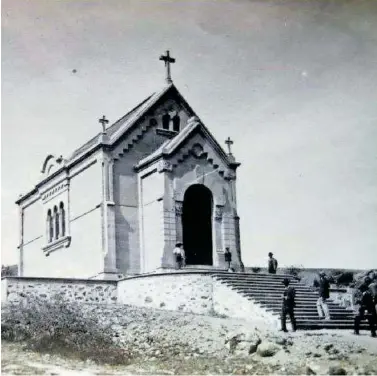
(119, 204)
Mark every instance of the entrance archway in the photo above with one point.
(197, 225)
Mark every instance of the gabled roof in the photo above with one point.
(170, 146)
(125, 123)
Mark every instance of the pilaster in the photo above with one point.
(108, 220)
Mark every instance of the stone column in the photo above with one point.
(219, 252)
(178, 221)
(238, 242)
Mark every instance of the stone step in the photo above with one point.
(268, 290)
(278, 298)
(249, 277)
(268, 284)
(314, 314)
(240, 276)
(305, 309)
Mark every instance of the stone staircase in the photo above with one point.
(267, 291)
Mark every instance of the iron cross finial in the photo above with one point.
(103, 121)
(229, 142)
(168, 60)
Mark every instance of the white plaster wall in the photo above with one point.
(188, 293)
(86, 190)
(152, 189)
(34, 260)
(34, 221)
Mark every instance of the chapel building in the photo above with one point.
(118, 204)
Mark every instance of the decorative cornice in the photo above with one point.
(54, 191)
(132, 139)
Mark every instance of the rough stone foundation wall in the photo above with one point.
(15, 289)
(197, 293)
(187, 293)
(230, 303)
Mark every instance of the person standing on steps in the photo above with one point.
(366, 305)
(288, 306)
(272, 264)
(323, 286)
(179, 254)
(228, 257)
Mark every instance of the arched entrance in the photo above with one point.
(197, 225)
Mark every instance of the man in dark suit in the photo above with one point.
(228, 257)
(366, 303)
(272, 264)
(288, 306)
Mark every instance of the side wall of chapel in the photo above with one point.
(81, 196)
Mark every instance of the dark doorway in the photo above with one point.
(197, 225)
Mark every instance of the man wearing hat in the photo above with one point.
(288, 306)
(272, 264)
(179, 254)
(323, 286)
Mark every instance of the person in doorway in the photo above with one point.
(288, 306)
(179, 254)
(366, 305)
(228, 257)
(323, 286)
(272, 264)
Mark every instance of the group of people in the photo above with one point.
(322, 284)
(366, 302)
(366, 297)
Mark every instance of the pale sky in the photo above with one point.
(293, 83)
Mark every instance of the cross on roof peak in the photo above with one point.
(168, 60)
(229, 142)
(103, 121)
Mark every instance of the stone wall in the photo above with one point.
(181, 292)
(89, 291)
(195, 292)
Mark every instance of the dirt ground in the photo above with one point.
(312, 352)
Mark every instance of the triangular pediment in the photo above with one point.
(131, 127)
(196, 141)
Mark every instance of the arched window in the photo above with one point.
(62, 218)
(153, 122)
(166, 121)
(56, 220)
(176, 123)
(50, 226)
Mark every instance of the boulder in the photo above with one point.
(267, 348)
(318, 367)
(336, 370)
